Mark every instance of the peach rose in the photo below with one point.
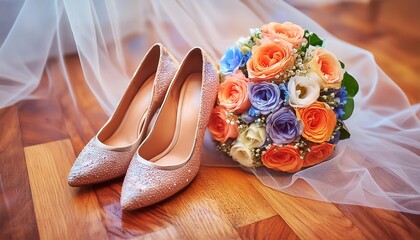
(318, 120)
(318, 154)
(269, 59)
(327, 66)
(286, 159)
(233, 93)
(287, 31)
(219, 127)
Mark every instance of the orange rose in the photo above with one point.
(318, 120)
(328, 68)
(287, 31)
(233, 93)
(286, 159)
(219, 128)
(269, 59)
(318, 154)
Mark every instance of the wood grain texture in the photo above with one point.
(121, 224)
(242, 203)
(380, 223)
(271, 228)
(38, 117)
(61, 212)
(16, 205)
(197, 214)
(309, 219)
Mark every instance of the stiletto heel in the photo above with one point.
(108, 154)
(169, 157)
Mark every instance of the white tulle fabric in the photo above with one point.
(379, 166)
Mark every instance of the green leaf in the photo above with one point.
(348, 108)
(344, 133)
(342, 65)
(314, 40)
(352, 87)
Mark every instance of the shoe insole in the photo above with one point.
(129, 129)
(187, 115)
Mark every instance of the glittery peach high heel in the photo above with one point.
(169, 158)
(109, 153)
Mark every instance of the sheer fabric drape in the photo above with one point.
(378, 167)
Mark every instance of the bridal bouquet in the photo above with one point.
(282, 100)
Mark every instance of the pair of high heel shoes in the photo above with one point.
(155, 135)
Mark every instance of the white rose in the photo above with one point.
(242, 154)
(253, 136)
(304, 90)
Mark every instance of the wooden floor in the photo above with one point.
(40, 138)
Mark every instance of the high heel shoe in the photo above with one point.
(169, 157)
(109, 153)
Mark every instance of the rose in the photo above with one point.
(317, 154)
(242, 154)
(287, 31)
(327, 66)
(304, 90)
(286, 159)
(318, 121)
(220, 127)
(264, 96)
(232, 60)
(283, 127)
(269, 59)
(233, 93)
(253, 136)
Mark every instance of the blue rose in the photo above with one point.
(283, 126)
(232, 60)
(264, 97)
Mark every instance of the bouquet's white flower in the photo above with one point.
(242, 154)
(304, 90)
(244, 44)
(253, 136)
(255, 32)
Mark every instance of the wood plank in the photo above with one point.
(16, 205)
(232, 191)
(62, 212)
(271, 228)
(309, 219)
(380, 223)
(121, 224)
(164, 234)
(197, 214)
(41, 122)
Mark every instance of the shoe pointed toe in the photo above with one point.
(146, 185)
(96, 165)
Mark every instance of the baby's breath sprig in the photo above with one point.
(224, 147)
(261, 121)
(256, 156)
(242, 125)
(327, 96)
(303, 147)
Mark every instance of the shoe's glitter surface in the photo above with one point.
(96, 164)
(144, 184)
